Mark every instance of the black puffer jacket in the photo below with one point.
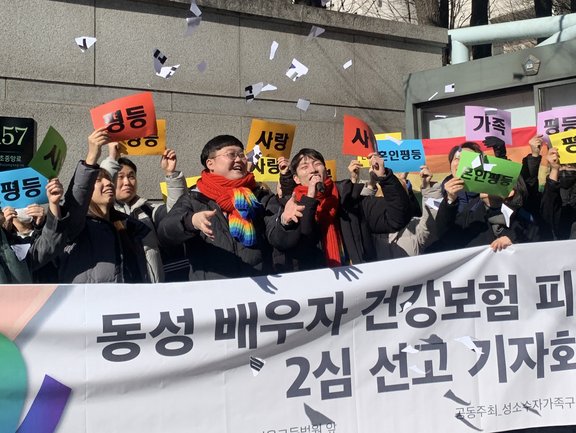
(359, 217)
(224, 256)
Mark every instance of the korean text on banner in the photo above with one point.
(358, 140)
(474, 340)
(554, 121)
(17, 138)
(483, 173)
(565, 142)
(151, 145)
(129, 117)
(50, 155)
(22, 187)
(275, 139)
(402, 157)
(482, 122)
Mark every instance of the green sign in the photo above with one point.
(484, 173)
(50, 155)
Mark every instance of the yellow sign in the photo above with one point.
(273, 139)
(384, 136)
(565, 142)
(153, 145)
(190, 181)
(331, 168)
(266, 170)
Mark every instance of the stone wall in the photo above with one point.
(44, 74)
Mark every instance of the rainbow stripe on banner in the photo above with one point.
(436, 149)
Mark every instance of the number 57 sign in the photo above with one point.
(17, 136)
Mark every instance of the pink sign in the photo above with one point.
(555, 121)
(482, 122)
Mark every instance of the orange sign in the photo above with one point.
(359, 139)
(133, 116)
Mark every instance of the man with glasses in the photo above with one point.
(228, 223)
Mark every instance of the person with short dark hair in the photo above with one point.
(335, 220)
(124, 172)
(229, 222)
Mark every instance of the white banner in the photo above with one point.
(459, 341)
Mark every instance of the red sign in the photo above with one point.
(359, 139)
(130, 117)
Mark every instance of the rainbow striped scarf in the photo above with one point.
(234, 197)
(240, 222)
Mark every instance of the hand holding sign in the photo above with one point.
(453, 187)
(354, 170)
(54, 191)
(96, 140)
(535, 144)
(487, 174)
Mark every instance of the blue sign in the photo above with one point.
(22, 187)
(402, 156)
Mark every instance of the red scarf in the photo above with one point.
(234, 197)
(326, 217)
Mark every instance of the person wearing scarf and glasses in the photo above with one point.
(228, 223)
(335, 220)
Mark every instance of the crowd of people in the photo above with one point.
(228, 225)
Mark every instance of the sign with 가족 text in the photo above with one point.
(133, 116)
(51, 154)
(358, 138)
(482, 122)
(483, 173)
(151, 145)
(22, 187)
(275, 139)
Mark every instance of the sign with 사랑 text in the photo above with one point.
(274, 139)
(266, 169)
